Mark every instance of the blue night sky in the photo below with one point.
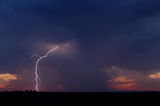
(105, 45)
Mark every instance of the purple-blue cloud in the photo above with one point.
(103, 33)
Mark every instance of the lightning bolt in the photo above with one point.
(40, 58)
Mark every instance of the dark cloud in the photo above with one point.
(106, 33)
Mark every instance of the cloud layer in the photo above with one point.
(100, 33)
(6, 78)
(129, 80)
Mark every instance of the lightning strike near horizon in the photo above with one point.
(37, 65)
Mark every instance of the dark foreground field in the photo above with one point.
(121, 98)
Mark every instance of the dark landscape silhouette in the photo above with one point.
(81, 97)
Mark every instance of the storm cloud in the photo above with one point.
(101, 34)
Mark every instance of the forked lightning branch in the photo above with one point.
(40, 58)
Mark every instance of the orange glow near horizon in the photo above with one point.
(6, 78)
(155, 75)
(126, 86)
(122, 83)
(120, 79)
